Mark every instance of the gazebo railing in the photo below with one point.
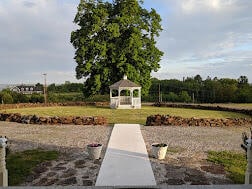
(136, 101)
(114, 102)
(125, 100)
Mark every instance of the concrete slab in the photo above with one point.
(126, 161)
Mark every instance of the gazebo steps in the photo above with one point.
(128, 107)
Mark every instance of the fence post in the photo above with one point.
(3, 170)
(248, 174)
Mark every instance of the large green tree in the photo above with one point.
(114, 39)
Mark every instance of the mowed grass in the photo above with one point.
(124, 116)
(21, 164)
(234, 163)
(232, 105)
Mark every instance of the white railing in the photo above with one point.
(114, 102)
(125, 100)
(136, 101)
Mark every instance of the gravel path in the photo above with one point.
(194, 139)
(73, 167)
(184, 164)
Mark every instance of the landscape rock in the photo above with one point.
(215, 169)
(68, 181)
(175, 182)
(80, 164)
(34, 119)
(87, 183)
(68, 173)
(167, 120)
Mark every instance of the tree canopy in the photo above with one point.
(195, 89)
(114, 39)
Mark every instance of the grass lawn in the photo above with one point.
(232, 105)
(21, 164)
(234, 163)
(124, 116)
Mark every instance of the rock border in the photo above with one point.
(55, 120)
(167, 120)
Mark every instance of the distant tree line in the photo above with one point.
(191, 89)
(56, 93)
(65, 88)
(195, 89)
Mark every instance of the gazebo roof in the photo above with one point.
(124, 83)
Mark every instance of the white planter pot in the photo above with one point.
(159, 150)
(94, 151)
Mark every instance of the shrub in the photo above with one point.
(184, 97)
(36, 98)
(6, 98)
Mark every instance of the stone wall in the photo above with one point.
(205, 107)
(158, 120)
(33, 119)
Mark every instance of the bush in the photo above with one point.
(98, 98)
(184, 97)
(65, 97)
(171, 97)
(19, 98)
(150, 98)
(36, 98)
(6, 98)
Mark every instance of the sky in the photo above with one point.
(207, 37)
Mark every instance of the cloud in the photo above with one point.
(29, 4)
(206, 37)
(35, 36)
(198, 32)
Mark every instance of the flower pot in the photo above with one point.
(94, 150)
(159, 150)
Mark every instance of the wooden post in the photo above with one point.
(3, 170)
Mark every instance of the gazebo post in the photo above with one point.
(119, 98)
(131, 96)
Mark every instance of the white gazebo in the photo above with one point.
(125, 94)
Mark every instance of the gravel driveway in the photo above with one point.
(184, 164)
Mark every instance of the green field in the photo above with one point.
(232, 105)
(124, 116)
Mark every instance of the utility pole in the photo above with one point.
(45, 89)
(159, 96)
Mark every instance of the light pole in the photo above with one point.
(45, 91)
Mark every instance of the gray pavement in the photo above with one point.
(146, 187)
(126, 161)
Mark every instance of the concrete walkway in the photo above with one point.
(126, 161)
